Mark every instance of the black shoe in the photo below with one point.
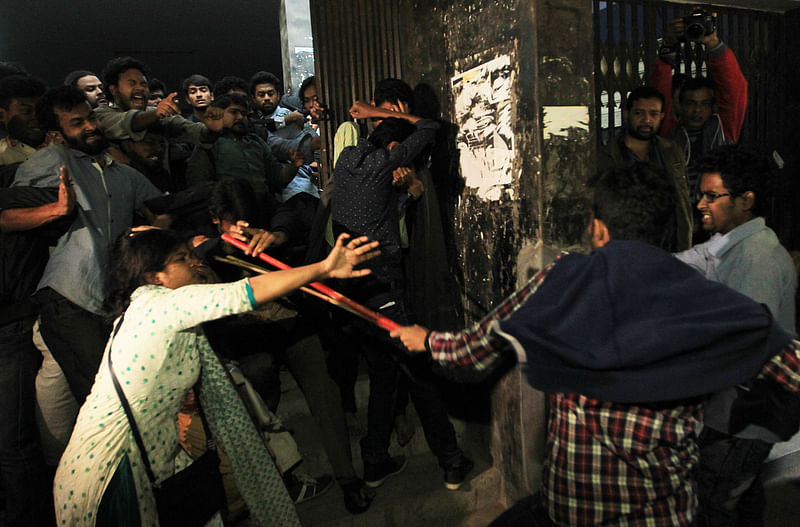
(455, 474)
(375, 475)
(303, 488)
(357, 496)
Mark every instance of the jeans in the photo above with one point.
(75, 337)
(22, 471)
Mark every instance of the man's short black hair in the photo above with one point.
(308, 81)
(696, 83)
(265, 77)
(392, 90)
(157, 85)
(636, 203)
(741, 169)
(63, 98)
(391, 130)
(644, 92)
(223, 101)
(196, 79)
(16, 86)
(72, 77)
(234, 199)
(228, 83)
(117, 66)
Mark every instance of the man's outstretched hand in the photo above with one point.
(412, 337)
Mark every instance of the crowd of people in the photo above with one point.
(128, 333)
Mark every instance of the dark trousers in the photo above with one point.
(22, 473)
(729, 485)
(75, 337)
(386, 363)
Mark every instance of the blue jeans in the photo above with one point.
(22, 470)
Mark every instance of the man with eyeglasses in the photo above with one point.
(746, 255)
(626, 341)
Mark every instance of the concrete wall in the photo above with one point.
(499, 243)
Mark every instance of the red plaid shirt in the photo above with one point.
(607, 463)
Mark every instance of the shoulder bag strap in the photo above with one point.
(127, 408)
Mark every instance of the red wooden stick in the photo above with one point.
(379, 320)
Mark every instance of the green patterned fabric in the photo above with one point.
(256, 476)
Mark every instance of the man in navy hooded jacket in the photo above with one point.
(627, 341)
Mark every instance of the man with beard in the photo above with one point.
(239, 152)
(276, 124)
(639, 142)
(18, 96)
(89, 84)
(131, 117)
(106, 197)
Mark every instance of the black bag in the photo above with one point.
(192, 496)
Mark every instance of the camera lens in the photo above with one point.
(695, 31)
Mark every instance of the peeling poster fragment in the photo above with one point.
(559, 119)
(486, 137)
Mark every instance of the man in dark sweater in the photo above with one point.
(364, 203)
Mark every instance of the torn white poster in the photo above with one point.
(485, 133)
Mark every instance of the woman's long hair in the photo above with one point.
(133, 255)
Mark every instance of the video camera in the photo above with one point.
(699, 23)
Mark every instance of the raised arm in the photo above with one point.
(24, 219)
(477, 347)
(340, 263)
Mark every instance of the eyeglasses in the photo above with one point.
(710, 197)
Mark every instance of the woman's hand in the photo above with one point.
(412, 337)
(343, 258)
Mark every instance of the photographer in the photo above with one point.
(709, 114)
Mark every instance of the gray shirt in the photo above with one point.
(751, 260)
(106, 199)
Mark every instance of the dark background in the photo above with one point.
(175, 39)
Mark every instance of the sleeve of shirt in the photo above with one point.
(481, 345)
(661, 79)
(697, 257)
(281, 147)
(273, 170)
(116, 125)
(346, 135)
(731, 90)
(413, 145)
(181, 130)
(784, 368)
(40, 170)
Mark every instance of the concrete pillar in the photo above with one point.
(508, 223)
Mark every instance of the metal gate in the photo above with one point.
(357, 43)
(626, 44)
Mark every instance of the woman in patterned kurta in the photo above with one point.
(159, 352)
